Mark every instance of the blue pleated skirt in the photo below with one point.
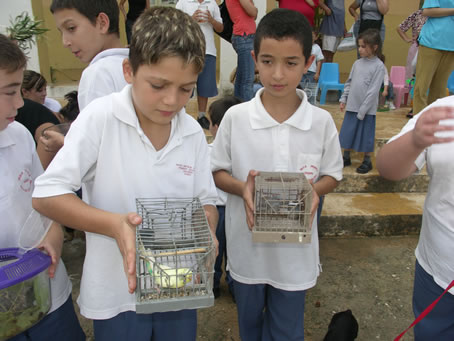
(358, 135)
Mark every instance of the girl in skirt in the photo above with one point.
(360, 99)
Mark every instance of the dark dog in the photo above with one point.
(343, 327)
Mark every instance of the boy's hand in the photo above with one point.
(248, 197)
(125, 235)
(384, 93)
(423, 135)
(52, 141)
(212, 216)
(53, 244)
(316, 77)
(341, 106)
(328, 11)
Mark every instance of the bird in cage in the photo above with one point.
(169, 278)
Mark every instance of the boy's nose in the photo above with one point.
(171, 97)
(277, 72)
(65, 40)
(18, 101)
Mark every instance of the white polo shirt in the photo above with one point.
(19, 166)
(190, 6)
(317, 52)
(435, 247)
(107, 150)
(249, 138)
(103, 76)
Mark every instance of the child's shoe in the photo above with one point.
(365, 167)
(347, 161)
(391, 106)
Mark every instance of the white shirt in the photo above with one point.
(249, 138)
(190, 6)
(317, 52)
(103, 76)
(222, 196)
(107, 149)
(435, 247)
(19, 166)
(52, 104)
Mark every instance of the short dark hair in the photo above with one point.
(371, 37)
(166, 32)
(33, 80)
(283, 24)
(71, 110)
(11, 56)
(219, 107)
(91, 9)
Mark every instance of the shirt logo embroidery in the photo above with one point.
(186, 169)
(310, 172)
(25, 180)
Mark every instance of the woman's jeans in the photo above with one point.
(244, 79)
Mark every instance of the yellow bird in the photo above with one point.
(167, 277)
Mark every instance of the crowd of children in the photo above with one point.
(133, 129)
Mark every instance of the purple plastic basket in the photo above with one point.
(25, 267)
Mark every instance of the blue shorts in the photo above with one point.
(173, 325)
(61, 324)
(206, 82)
(266, 313)
(439, 323)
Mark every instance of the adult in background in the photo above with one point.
(34, 87)
(435, 53)
(305, 7)
(136, 7)
(415, 21)
(207, 14)
(371, 13)
(332, 27)
(243, 14)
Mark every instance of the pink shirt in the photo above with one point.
(300, 6)
(243, 24)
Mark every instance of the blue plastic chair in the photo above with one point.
(329, 80)
(451, 83)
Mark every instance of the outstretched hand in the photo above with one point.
(428, 124)
(248, 197)
(125, 235)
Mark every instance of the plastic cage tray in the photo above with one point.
(282, 208)
(175, 256)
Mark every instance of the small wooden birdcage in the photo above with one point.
(175, 256)
(282, 208)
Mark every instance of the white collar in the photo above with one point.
(6, 139)
(261, 119)
(111, 52)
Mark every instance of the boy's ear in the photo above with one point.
(309, 62)
(254, 56)
(127, 71)
(103, 22)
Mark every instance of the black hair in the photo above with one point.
(71, 109)
(11, 56)
(283, 24)
(371, 37)
(220, 106)
(91, 9)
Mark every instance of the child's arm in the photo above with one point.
(68, 209)
(53, 244)
(249, 8)
(352, 10)
(385, 90)
(437, 12)
(212, 216)
(317, 72)
(325, 8)
(217, 26)
(396, 160)
(344, 96)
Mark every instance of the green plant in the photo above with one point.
(24, 30)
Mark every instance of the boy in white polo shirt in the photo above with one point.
(277, 131)
(20, 165)
(135, 143)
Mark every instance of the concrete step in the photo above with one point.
(371, 214)
(372, 182)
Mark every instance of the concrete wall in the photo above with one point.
(9, 9)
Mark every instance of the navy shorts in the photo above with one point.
(173, 325)
(206, 83)
(61, 324)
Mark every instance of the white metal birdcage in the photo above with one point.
(175, 256)
(282, 208)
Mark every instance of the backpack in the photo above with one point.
(228, 23)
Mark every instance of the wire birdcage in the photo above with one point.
(175, 256)
(282, 208)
